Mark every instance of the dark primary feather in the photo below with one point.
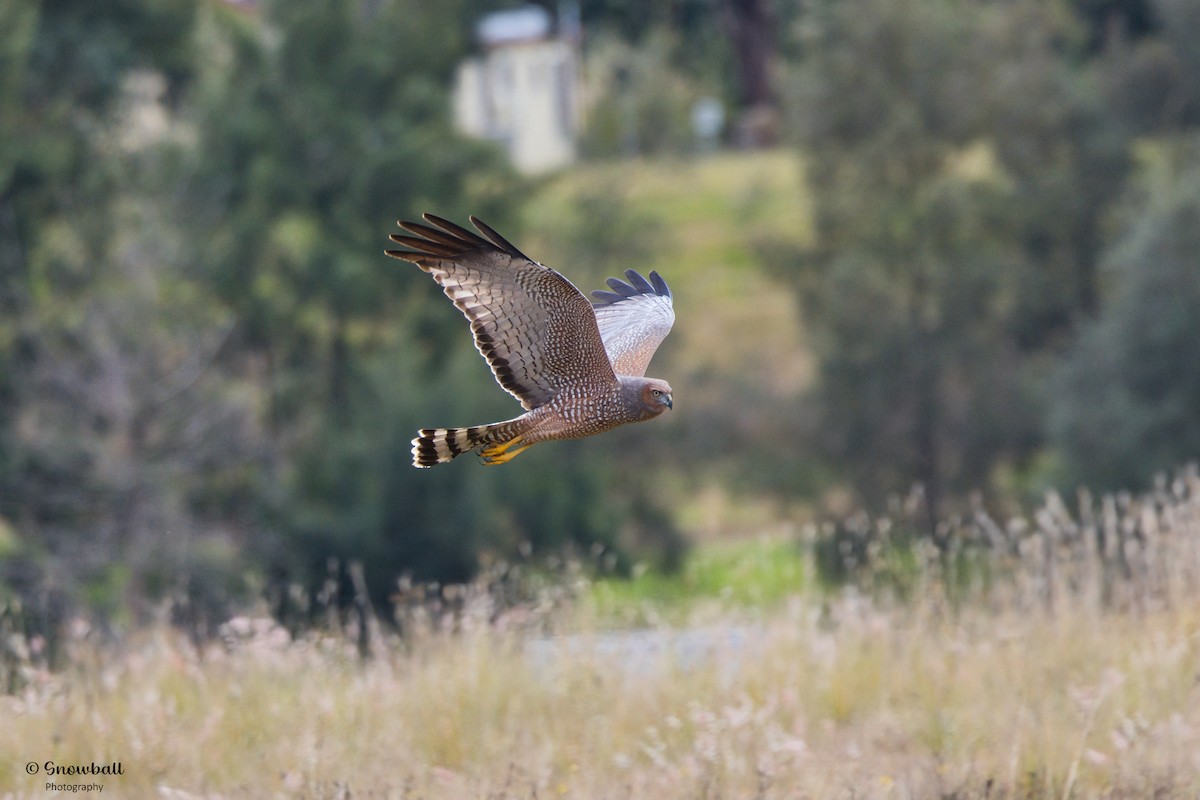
(660, 285)
(451, 241)
(641, 284)
(497, 239)
(637, 286)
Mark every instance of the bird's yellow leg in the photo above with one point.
(504, 458)
(501, 454)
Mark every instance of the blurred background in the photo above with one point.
(924, 249)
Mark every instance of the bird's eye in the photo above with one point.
(656, 392)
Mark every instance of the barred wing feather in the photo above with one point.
(534, 328)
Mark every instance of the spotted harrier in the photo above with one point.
(577, 367)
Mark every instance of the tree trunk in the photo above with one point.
(751, 29)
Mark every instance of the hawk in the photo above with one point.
(577, 367)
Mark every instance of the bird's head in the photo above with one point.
(655, 396)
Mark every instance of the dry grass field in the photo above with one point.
(1072, 670)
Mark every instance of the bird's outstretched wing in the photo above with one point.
(634, 318)
(534, 328)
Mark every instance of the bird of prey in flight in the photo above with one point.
(577, 367)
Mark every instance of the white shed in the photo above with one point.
(523, 91)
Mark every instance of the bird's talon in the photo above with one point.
(500, 453)
(499, 449)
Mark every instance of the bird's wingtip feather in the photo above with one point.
(637, 285)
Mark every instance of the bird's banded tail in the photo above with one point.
(439, 445)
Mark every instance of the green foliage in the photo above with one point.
(311, 148)
(1126, 397)
(96, 458)
(687, 37)
(644, 104)
(1152, 81)
(958, 226)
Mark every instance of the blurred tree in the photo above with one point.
(961, 175)
(63, 65)
(632, 20)
(1066, 156)
(1153, 82)
(1125, 400)
(319, 125)
(649, 63)
(84, 390)
(643, 104)
(1106, 19)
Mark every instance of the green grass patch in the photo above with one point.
(710, 209)
(744, 574)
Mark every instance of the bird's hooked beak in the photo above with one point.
(666, 400)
